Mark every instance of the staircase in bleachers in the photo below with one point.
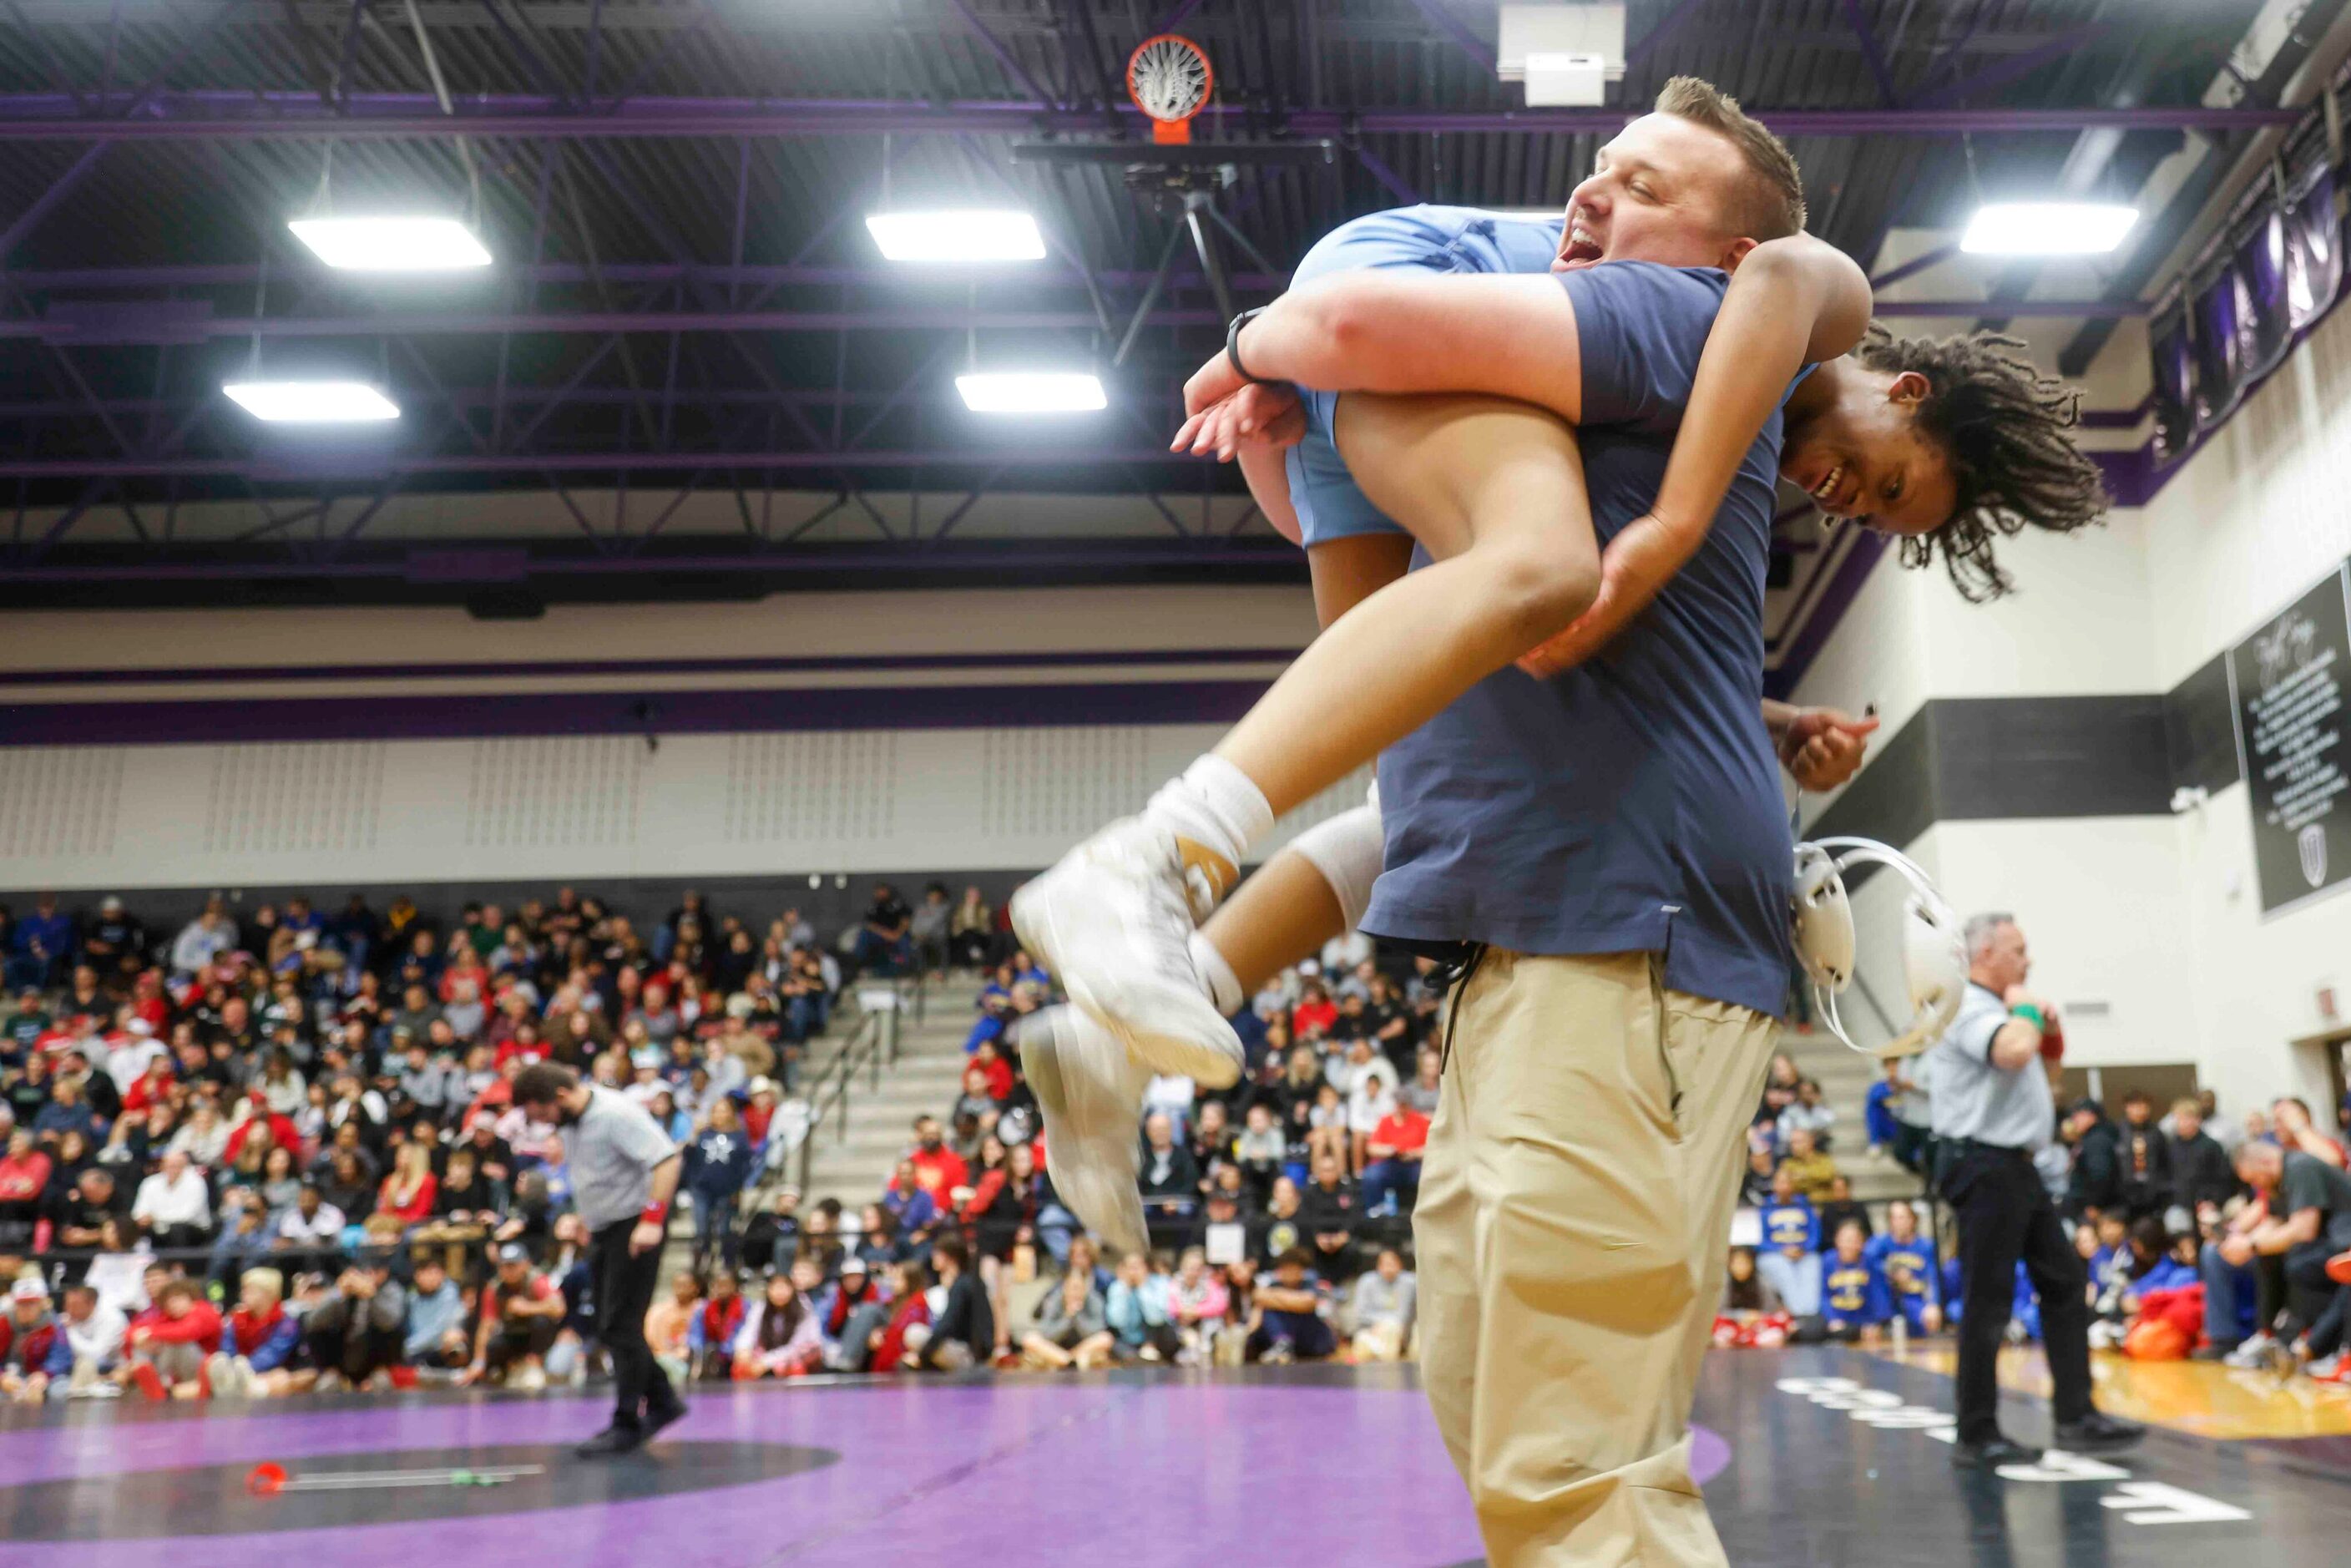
(1844, 1078)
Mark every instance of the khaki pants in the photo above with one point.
(1572, 1231)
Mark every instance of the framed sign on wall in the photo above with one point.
(2287, 684)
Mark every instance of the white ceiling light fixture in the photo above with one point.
(2047, 228)
(392, 243)
(312, 403)
(1032, 391)
(957, 235)
(1565, 54)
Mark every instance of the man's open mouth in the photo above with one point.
(1578, 248)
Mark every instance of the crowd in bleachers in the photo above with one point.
(277, 1149)
(2160, 1212)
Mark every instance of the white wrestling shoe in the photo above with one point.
(1113, 922)
(1091, 1092)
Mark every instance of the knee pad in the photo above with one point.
(1348, 850)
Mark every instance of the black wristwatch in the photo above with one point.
(1233, 346)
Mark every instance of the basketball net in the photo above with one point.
(1169, 78)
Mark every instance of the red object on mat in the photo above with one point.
(2338, 1267)
(265, 1479)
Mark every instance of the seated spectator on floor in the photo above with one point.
(258, 1343)
(1197, 1304)
(1291, 1314)
(1384, 1301)
(2306, 1221)
(169, 1341)
(1392, 1178)
(29, 1342)
(710, 1333)
(1790, 1265)
(858, 1311)
(1855, 1303)
(1908, 1261)
(901, 1340)
(1071, 1327)
(963, 1331)
(667, 1322)
(522, 1311)
(1750, 1311)
(358, 1332)
(436, 1340)
(88, 1349)
(1813, 1170)
(780, 1336)
(1139, 1313)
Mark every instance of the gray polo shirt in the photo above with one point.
(612, 1151)
(1971, 1098)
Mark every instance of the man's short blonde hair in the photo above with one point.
(1769, 202)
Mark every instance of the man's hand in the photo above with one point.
(2018, 996)
(1931, 1318)
(1823, 747)
(2237, 1251)
(645, 1238)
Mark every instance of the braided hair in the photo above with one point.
(2008, 430)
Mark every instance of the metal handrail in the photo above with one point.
(871, 1046)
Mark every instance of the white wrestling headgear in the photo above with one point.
(1934, 958)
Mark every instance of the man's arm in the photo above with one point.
(2282, 1235)
(1792, 302)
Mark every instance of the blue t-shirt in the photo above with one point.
(1632, 804)
(1792, 1224)
(1908, 1266)
(1854, 1292)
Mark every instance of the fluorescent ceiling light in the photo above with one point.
(2047, 228)
(1032, 391)
(978, 235)
(312, 403)
(392, 245)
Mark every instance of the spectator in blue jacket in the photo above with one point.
(436, 1319)
(42, 943)
(1908, 1260)
(1790, 1260)
(1137, 1311)
(718, 1167)
(1854, 1301)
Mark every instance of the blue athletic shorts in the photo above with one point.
(1329, 505)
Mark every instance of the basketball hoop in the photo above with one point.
(1169, 79)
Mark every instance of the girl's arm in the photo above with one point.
(1792, 302)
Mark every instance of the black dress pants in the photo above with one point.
(2004, 1214)
(624, 1282)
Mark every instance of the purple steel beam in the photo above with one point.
(1446, 22)
(265, 469)
(244, 117)
(46, 202)
(1004, 56)
(1378, 168)
(948, 318)
(2016, 68)
(1872, 54)
(1917, 264)
(1667, 27)
(656, 273)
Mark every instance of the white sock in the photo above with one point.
(1216, 976)
(1216, 806)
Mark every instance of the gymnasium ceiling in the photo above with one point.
(690, 372)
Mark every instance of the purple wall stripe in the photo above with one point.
(684, 712)
(556, 667)
(1842, 591)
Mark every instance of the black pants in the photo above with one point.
(2004, 1214)
(625, 1284)
(2316, 1301)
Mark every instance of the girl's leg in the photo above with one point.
(1348, 570)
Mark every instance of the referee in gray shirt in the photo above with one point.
(1989, 1098)
(624, 1171)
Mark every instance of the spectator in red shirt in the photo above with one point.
(1392, 1179)
(939, 1169)
(169, 1341)
(1315, 1014)
(990, 1060)
(24, 1177)
(899, 1342)
(409, 1189)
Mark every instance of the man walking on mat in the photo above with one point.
(624, 1172)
